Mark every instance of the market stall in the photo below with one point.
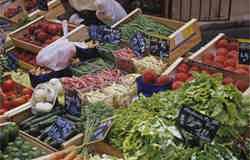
(131, 90)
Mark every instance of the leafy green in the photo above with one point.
(136, 129)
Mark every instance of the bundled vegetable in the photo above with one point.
(145, 25)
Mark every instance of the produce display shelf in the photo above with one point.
(32, 140)
(210, 47)
(186, 36)
(55, 9)
(27, 45)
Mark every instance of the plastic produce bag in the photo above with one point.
(109, 11)
(56, 56)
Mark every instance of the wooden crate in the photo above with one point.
(171, 70)
(34, 141)
(197, 56)
(27, 45)
(23, 65)
(55, 9)
(186, 36)
(24, 113)
(99, 147)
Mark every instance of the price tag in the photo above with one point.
(178, 38)
(244, 53)
(159, 47)
(42, 5)
(138, 44)
(61, 130)
(101, 131)
(199, 125)
(72, 102)
(187, 32)
(105, 34)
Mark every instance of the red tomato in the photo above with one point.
(208, 56)
(11, 95)
(8, 85)
(232, 54)
(233, 46)
(220, 59)
(27, 97)
(223, 43)
(183, 68)
(229, 68)
(228, 80)
(241, 71)
(241, 85)
(27, 91)
(181, 77)
(221, 52)
(177, 84)
(6, 105)
(18, 101)
(230, 63)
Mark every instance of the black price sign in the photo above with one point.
(244, 53)
(138, 44)
(105, 34)
(159, 47)
(73, 102)
(199, 125)
(101, 131)
(42, 5)
(61, 130)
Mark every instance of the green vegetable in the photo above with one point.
(206, 95)
(98, 111)
(145, 25)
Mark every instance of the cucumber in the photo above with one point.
(43, 118)
(44, 124)
(72, 118)
(23, 123)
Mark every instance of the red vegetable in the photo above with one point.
(149, 76)
(241, 85)
(228, 80)
(207, 56)
(8, 85)
(162, 80)
(183, 68)
(177, 84)
(233, 46)
(241, 71)
(232, 54)
(221, 52)
(223, 43)
(230, 63)
(181, 77)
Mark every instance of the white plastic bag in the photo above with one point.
(109, 11)
(57, 55)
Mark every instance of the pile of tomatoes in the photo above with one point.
(13, 95)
